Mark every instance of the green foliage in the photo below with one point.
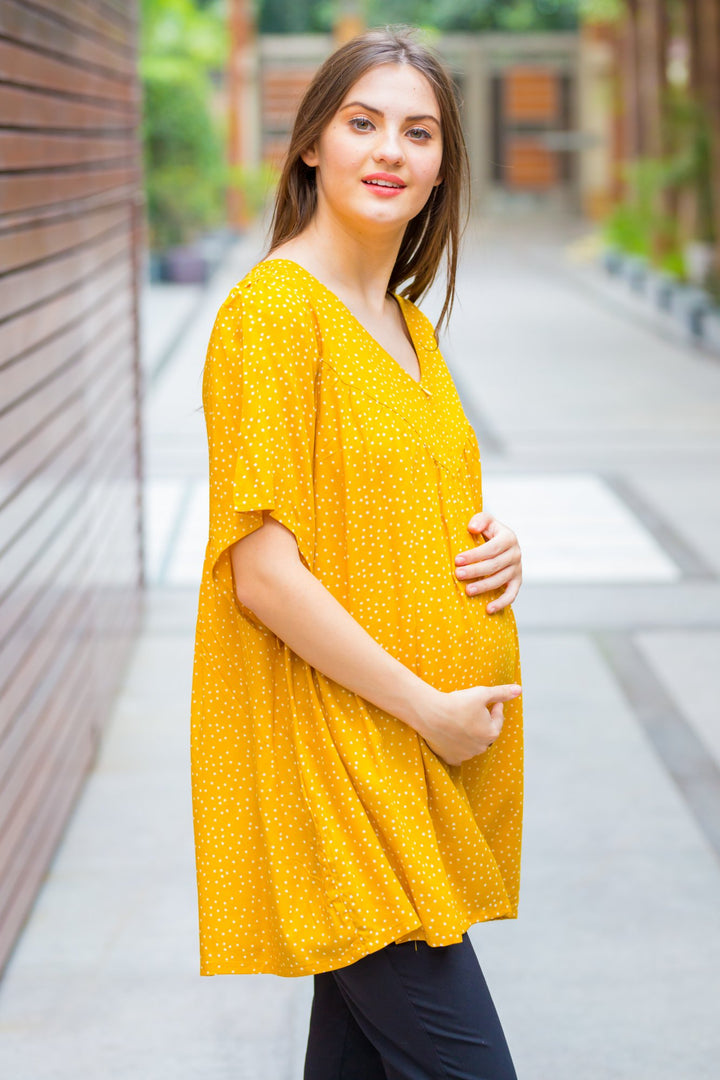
(183, 148)
(185, 28)
(689, 161)
(256, 184)
(280, 17)
(631, 224)
(637, 226)
(298, 17)
(183, 154)
(601, 10)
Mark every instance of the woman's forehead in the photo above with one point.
(392, 87)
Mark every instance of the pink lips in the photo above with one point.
(380, 189)
(385, 176)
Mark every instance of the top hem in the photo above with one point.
(452, 937)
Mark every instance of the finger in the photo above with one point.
(496, 712)
(475, 568)
(505, 599)
(504, 692)
(480, 521)
(490, 583)
(488, 550)
(500, 539)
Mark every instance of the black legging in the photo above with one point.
(407, 1012)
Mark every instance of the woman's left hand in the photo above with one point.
(498, 561)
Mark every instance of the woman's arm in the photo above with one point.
(272, 581)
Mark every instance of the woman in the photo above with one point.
(356, 725)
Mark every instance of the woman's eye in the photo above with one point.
(413, 131)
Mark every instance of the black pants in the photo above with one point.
(407, 1012)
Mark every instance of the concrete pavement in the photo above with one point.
(600, 438)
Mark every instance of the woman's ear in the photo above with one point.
(309, 156)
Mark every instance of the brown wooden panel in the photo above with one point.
(37, 284)
(28, 330)
(36, 675)
(89, 17)
(65, 610)
(106, 183)
(33, 443)
(32, 489)
(63, 449)
(29, 651)
(53, 236)
(111, 413)
(40, 30)
(21, 829)
(70, 226)
(51, 569)
(61, 429)
(20, 105)
(126, 14)
(24, 741)
(531, 94)
(56, 504)
(529, 164)
(31, 504)
(30, 559)
(48, 826)
(65, 559)
(65, 357)
(28, 150)
(57, 418)
(27, 67)
(281, 93)
(56, 609)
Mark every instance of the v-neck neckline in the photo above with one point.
(420, 383)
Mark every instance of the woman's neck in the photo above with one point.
(353, 265)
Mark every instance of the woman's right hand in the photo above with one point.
(463, 723)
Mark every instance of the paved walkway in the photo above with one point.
(600, 436)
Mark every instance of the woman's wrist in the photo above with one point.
(420, 705)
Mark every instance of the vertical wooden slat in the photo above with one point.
(71, 222)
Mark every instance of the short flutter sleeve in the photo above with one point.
(259, 401)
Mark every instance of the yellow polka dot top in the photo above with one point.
(324, 827)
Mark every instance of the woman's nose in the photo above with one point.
(389, 148)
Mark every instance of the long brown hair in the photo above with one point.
(436, 228)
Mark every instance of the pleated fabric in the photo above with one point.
(325, 827)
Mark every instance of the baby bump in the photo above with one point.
(457, 643)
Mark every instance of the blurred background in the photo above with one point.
(140, 144)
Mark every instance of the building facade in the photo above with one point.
(70, 432)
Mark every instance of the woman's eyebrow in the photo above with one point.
(370, 108)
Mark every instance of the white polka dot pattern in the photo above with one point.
(326, 828)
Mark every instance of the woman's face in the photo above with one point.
(388, 122)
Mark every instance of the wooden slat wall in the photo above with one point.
(531, 97)
(281, 89)
(70, 452)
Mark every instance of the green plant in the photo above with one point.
(255, 183)
(680, 182)
(183, 153)
(183, 43)
(637, 225)
(689, 162)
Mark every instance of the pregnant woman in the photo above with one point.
(356, 736)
